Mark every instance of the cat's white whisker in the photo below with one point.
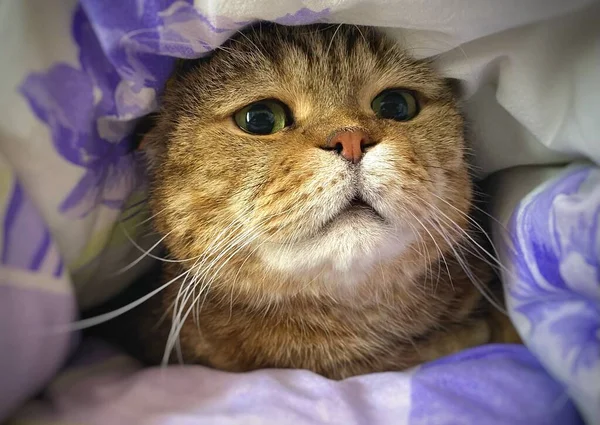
(442, 257)
(181, 316)
(150, 218)
(332, 39)
(495, 262)
(145, 254)
(178, 325)
(472, 221)
(102, 318)
(465, 266)
(185, 291)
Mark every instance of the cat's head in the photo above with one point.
(308, 150)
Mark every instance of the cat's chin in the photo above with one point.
(345, 248)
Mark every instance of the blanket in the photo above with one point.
(76, 75)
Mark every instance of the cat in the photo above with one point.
(313, 190)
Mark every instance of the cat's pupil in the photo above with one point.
(394, 106)
(260, 119)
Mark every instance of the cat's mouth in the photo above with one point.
(357, 205)
(357, 202)
(355, 211)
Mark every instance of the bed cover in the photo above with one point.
(76, 75)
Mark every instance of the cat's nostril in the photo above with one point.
(350, 144)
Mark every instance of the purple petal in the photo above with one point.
(27, 243)
(303, 16)
(85, 195)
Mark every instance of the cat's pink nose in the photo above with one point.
(350, 144)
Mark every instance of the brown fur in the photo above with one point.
(237, 208)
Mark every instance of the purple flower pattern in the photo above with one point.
(555, 291)
(27, 243)
(494, 385)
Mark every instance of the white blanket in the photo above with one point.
(531, 72)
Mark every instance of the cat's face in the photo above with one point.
(308, 150)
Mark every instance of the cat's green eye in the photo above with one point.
(263, 117)
(395, 104)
